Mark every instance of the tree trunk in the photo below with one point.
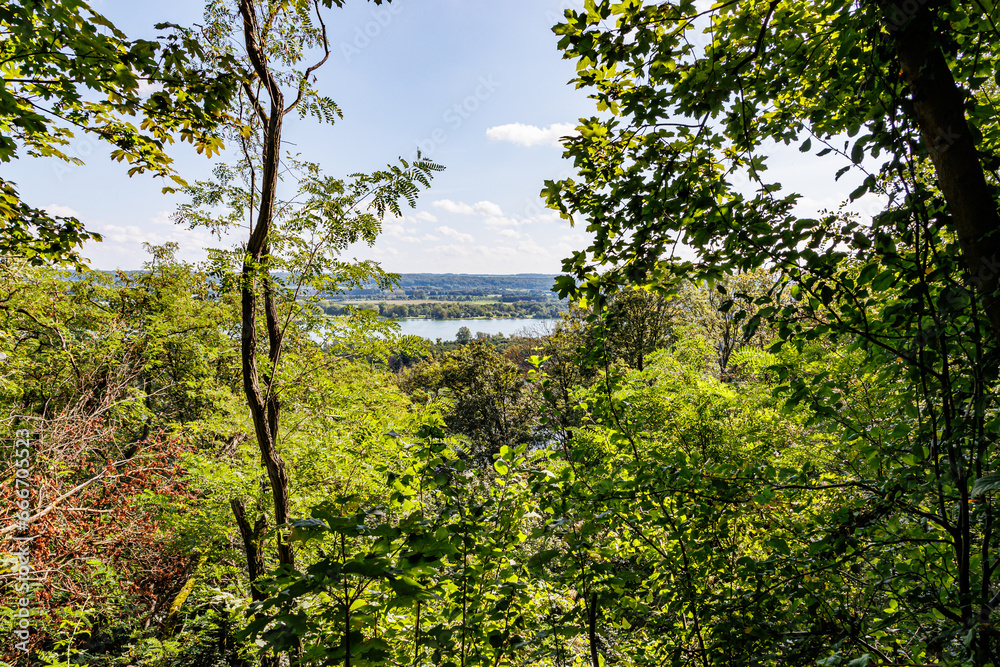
(592, 630)
(263, 401)
(170, 624)
(938, 108)
(252, 539)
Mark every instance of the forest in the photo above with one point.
(755, 438)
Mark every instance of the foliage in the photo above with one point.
(129, 383)
(720, 313)
(901, 310)
(99, 369)
(779, 451)
(635, 324)
(427, 579)
(485, 395)
(68, 69)
(610, 550)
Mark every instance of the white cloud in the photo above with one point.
(146, 88)
(418, 239)
(393, 229)
(455, 234)
(458, 208)
(575, 238)
(426, 217)
(531, 135)
(494, 215)
(454, 250)
(122, 243)
(529, 247)
(501, 222)
(510, 233)
(549, 216)
(494, 252)
(60, 210)
(485, 208)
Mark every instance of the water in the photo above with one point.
(447, 329)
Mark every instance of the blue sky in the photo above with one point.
(478, 85)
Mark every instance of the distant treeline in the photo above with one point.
(491, 284)
(529, 286)
(460, 310)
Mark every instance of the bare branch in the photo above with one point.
(305, 77)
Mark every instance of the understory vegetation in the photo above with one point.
(635, 485)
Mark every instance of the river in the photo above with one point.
(446, 329)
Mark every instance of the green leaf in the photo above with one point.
(985, 484)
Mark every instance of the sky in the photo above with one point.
(477, 85)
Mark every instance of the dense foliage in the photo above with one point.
(130, 388)
(778, 451)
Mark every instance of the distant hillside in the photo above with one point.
(442, 286)
(518, 287)
(489, 284)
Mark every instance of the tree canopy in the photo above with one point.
(693, 100)
(67, 70)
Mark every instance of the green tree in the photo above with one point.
(904, 308)
(121, 376)
(68, 69)
(140, 372)
(303, 236)
(562, 560)
(444, 553)
(636, 323)
(720, 312)
(487, 398)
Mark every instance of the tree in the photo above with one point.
(487, 398)
(444, 552)
(903, 308)
(109, 372)
(721, 311)
(636, 324)
(659, 152)
(68, 69)
(130, 383)
(304, 237)
(463, 336)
